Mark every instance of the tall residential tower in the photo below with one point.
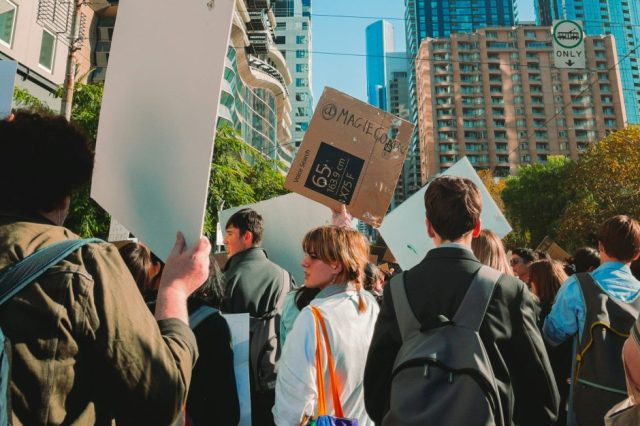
(441, 18)
(293, 38)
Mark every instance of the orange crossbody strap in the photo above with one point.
(322, 407)
(332, 373)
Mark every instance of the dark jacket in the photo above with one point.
(213, 396)
(254, 284)
(85, 347)
(436, 286)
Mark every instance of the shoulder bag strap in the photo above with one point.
(17, 276)
(407, 321)
(473, 308)
(200, 314)
(332, 374)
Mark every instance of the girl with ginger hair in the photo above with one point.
(333, 262)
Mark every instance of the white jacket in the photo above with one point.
(350, 335)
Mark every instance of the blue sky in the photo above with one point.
(346, 35)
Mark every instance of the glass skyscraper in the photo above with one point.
(379, 40)
(621, 18)
(440, 18)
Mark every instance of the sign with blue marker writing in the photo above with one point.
(352, 154)
(568, 44)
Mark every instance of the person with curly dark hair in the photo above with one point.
(84, 347)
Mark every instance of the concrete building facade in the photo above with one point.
(429, 18)
(495, 97)
(255, 98)
(293, 38)
(35, 34)
(620, 18)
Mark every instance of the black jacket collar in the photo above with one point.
(253, 253)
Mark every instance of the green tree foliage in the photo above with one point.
(239, 175)
(536, 197)
(606, 183)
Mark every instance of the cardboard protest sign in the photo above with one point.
(287, 219)
(7, 81)
(239, 328)
(352, 154)
(158, 117)
(404, 229)
(553, 249)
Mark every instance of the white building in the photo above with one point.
(293, 38)
(35, 34)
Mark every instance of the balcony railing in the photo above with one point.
(265, 67)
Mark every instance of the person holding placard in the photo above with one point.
(85, 349)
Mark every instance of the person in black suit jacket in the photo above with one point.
(437, 285)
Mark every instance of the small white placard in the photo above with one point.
(404, 229)
(568, 44)
(239, 328)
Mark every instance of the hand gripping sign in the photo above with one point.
(351, 154)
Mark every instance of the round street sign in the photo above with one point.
(568, 34)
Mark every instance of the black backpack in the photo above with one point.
(443, 376)
(13, 279)
(599, 378)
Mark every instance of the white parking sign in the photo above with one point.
(568, 44)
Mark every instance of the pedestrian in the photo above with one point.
(597, 309)
(521, 258)
(85, 349)
(333, 262)
(545, 278)
(257, 286)
(434, 290)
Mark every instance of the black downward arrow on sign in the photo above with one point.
(570, 62)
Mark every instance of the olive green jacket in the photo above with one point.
(85, 348)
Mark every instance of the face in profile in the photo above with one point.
(318, 274)
(233, 241)
(519, 266)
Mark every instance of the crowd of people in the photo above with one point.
(471, 335)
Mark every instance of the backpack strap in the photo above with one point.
(202, 313)
(17, 276)
(471, 311)
(407, 321)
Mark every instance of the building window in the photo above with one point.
(281, 26)
(47, 50)
(301, 39)
(302, 67)
(301, 53)
(7, 21)
(302, 82)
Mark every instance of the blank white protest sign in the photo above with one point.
(158, 117)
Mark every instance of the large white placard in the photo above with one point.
(286, 221)
(404, 229)
(239, 328)
(158, 117)
(7, 81)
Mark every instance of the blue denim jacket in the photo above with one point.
(567, 315)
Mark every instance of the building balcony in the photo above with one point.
(258, 4)
(258, 21)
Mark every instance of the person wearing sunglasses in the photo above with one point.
(521, 258)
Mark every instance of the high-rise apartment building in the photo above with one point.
(293, 38)
(496, 97)
(621, 18)
(255, 98)
(441, 18)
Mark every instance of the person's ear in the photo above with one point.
(336, 267)
(476, 229)
(430, 230)
(247, 238)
